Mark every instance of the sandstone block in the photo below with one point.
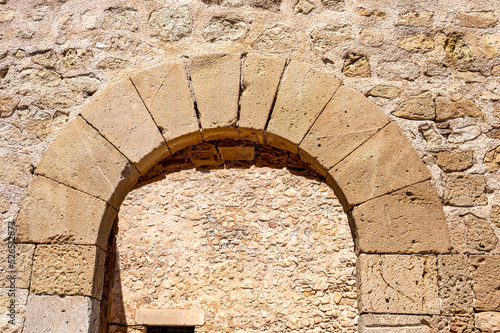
(166, 93)
(279, 38)
(8, 106)
(45, 58)
(170, 317)
(117, 18)
(302, 97)
(420, 107)
(68, 270)
(449, 110)
(84, 83)
(329, 36)
(495, 215)
(491, 45)
(48, 314)
(348, 120)
(394, 323)
(455, 284)
(389, 92)
(464, 190)
(410, 220)
(365, 173)
(121, 117)
(480, 236)
(486, 286)
(399, 70)
(15, 169)
(303, 6)
(492, 160)
(416, 19)
(216, 85)
(454, 161)
(41, 77)
(171, 23)
(476, 19)
(225, 28)
(356, 65)
(260, 85)
(371, 37)
(397, 284)
(334, 5)
(81, 158)
(16, 261)
(417, 43)
(487, 321)
(55, 213)
(55, 102)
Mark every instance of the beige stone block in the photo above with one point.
(17, 297)
(487, 321)
(81, 158)
(464, 190)
(55, 213)
(216, 85)
(394, 323)
(166, 93)
(454, 161)
(366, 173)
(476, 19)
(15, 265)
(170, 317)
(486, 285)
(410, 220)
(68, 270)
(121, 117)
(15, 169)
(303, 95)
(261, 77)
(455, 284)
(405, 284)
(465, 107)
(51, 314)
(419, 107)
(348, 120)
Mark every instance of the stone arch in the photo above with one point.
(394, 211)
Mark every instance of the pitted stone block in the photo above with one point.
(55, 213)
(68, 270)
(15, 265)
(260, 84)
(236, 153)
(166, 93)
(405, 284)
(410, 220)
(385, 163)
(455, 284)
(486, 286)
(348, 120)
(120, 116)
(81, 158)
(487, 321)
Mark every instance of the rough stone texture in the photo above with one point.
(464, 190)
(55, 213)
(487, 321)
(87, 84)
(56, 102)
(117, 18)
(331, 35)
(348, 121)
(4, 205)
(454, 161)
(492, 160)
(225, 29)
(15, 169)
(46, 59)
(486, 287)
(216, 85)
(170, 317)
(334, 5)
(495, 216)
(455, 284)
(43, 77)
(47, 314)
(171, 23)
(68, 270)
(480, 236)
(395, 71)
(394, 323)
(385, 92)
(416, 19)
(476, 19)
(165, 91)
(397, 284)
(260, 85)
(8, 106)
(82, 159)
(279, 38)
(356, 65)
(128, 126)
(417, 43)
(364, 174)
(449, 110)
(16, 263)
(303, 95)
(419, 107)
(491, 44)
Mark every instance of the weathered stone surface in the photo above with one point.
(7, 15)
(464, 190)
(487, 321)
(112, 63)
(371, 37)
(236, 153)
(416, 19)
(279, 38)
(4, 205)
(302, 97)
(458, 53)
(476, 19)
(454, 161)
(170, 317)
(84, 83)
(399, 70)
(45, 58)
(41, 77)
(171, 23)
(48, 314)
(15, 265)
(8, 106)
(495, 215)
(348, 120)
(329, 36)
(465, 107)
(455, 284)
(410, 220)
(356, 65)
(118, 18)
(16, 169)
(486, 287)
(417, 43)
(464, 134)
(19, 309)
(389, 92)
(224, 28)
(334, 5)
(55, 102)
(436, 68)
(260, 85)
(68, 270)
(491, 45)
(127, 125)
(81, 158)
(55, 213)
(303, 6)
(216, 85)
(419, 107)
(266, 4)
(394, 323)
(364, 174)
(492, 160)
(398, 284)
(165, 91)
(480, 236)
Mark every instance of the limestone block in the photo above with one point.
(166, 93)
(15, 265)
(216, 85)
(480, 236)
(81, 158)
(50, 314)
(13, 307)
(487, 321)
(476, 19)
(486, 286)
(410, 220)
(260, 84)
(397, 284)
(394, 323)
(68, 270)
(465, 107)
(451, 161)
(365, 173)
(170, 317)
(417, 43)
(303, 95)
(348, 120)
(455, 284)
(15, 169)
(416, 19)
(464, 190)
(55, 213)
(121, 117)
(418, 107)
